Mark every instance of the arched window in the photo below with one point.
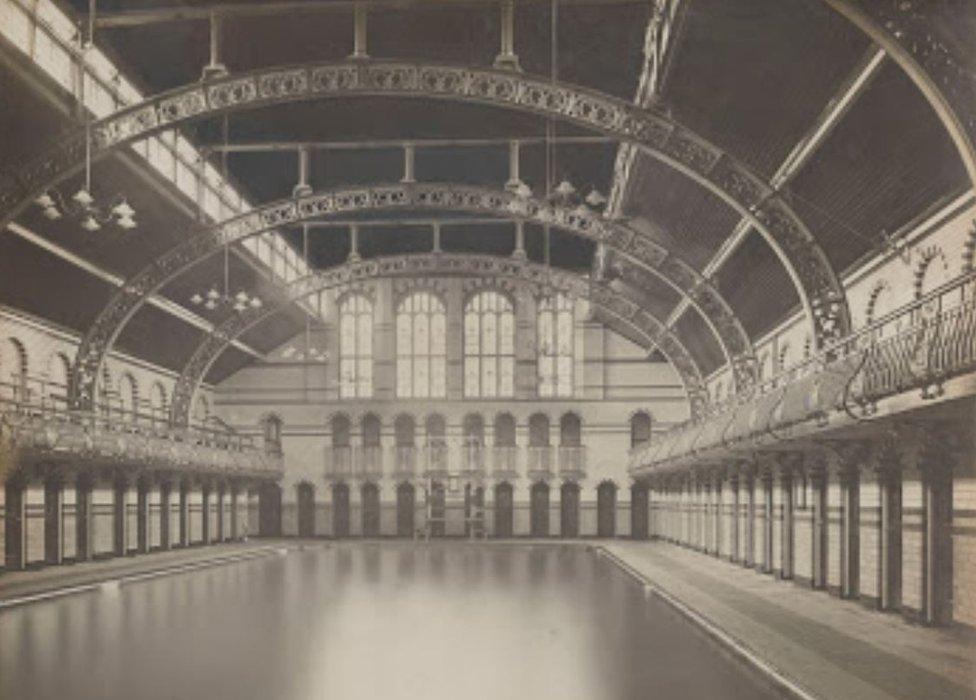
(59, 374)
(13, 367)
(489, 346)
(436, 429)
(340, 430)
(421, 349)
(355, 347)
(371, 430)
(201, 409)
(570, 429)
(158, 400)
(538, 430)
(505, 430)
(474, 430)
(640, 429)
(129, 395)
(271, 429)
(556, 345)
(404, 429)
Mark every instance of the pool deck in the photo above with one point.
(825, 647)
(816, 645)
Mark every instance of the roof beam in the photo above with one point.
(161, 303)
(659, 41)
(829, 118)
(203, 11)
(289, 146)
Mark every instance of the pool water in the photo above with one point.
(372, 620)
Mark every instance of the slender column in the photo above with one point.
(354, 243)
(184, 517)
(165, 490)
(818, 527)
(360, 17)
(890, 481)
(235, 526)
(53, 527)
(937, 566)
(735, 545)
(718, 497)
(519, 252)
(119, 520)
(221, 534)
(514, 182)
(215, 69)
(408, 163)
(506, 59)
(15, 524)
(205, 508)
(436, 228)
(786, 524)
(749, 559)
(84, 532)
(303, 188)
(142, 516)
(767, 539)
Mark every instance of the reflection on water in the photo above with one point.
(368, 620)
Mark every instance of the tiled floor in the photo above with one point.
(830, 648)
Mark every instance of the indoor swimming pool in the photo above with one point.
(372, 620)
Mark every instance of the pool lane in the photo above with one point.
(372, 620)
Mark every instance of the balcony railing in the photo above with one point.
(338, 462)
(436, 459)
(473, 459)
(369, 460)
(917, 347)
(572, 461)
(405, 460)
(37, 425)
(539, 462)
(505, 459)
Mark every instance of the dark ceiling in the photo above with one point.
(752, 75)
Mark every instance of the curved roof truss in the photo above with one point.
(655, 133)
(641, 253)
(607, 304)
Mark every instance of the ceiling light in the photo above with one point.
(213, 294)
(196, 299)
(123, 210)
(255, 302)
(126, 222)
(83, 198)
(210, 305)
(595, 198)
(565, 189)
(44, 200)
(241, 297)
(90, 224)
(52, 213)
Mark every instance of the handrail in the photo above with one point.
(932, 338)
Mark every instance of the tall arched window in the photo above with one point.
(555, 331)
(129, 395)
(421, 329)
(489, 346)
(355, 347)
(640, 429)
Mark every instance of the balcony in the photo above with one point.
(473, 459)
(338, 462)
(539, 462)
(505, 460)
(368, 461)
(436, 460)
(919, 347)
(572, 461)
(404, 461)
(38, 427)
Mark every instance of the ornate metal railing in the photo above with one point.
(572, 461)
(338, 461)
(917, 347)
(36, 426)
(473, 458)
(404, 460)
(368, 460)
(539, 462)
(505, 459)
(436, 459)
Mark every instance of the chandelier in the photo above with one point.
(215, 297)
(82, 206)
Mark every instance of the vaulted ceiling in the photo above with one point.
(756, 77)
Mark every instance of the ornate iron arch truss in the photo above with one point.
(653, 132)
(640, 252)
(607, 304)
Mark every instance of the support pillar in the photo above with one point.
(360, 19)
(165, 490)
(142, 516)
(205, 509)
(184, 518)
(818, 527)
(785, 487)
(120, 504)
(735, 545)
(221, 525)
(850, 537)
(891, 515)
(15, 524)
(749, 558)
(53, 527)
(767, 536)
(84, 532)
(506, 58)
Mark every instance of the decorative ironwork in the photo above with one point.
(412, 196)
(919, 347)
(913, 33)
(651, 131)
(641, 324)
